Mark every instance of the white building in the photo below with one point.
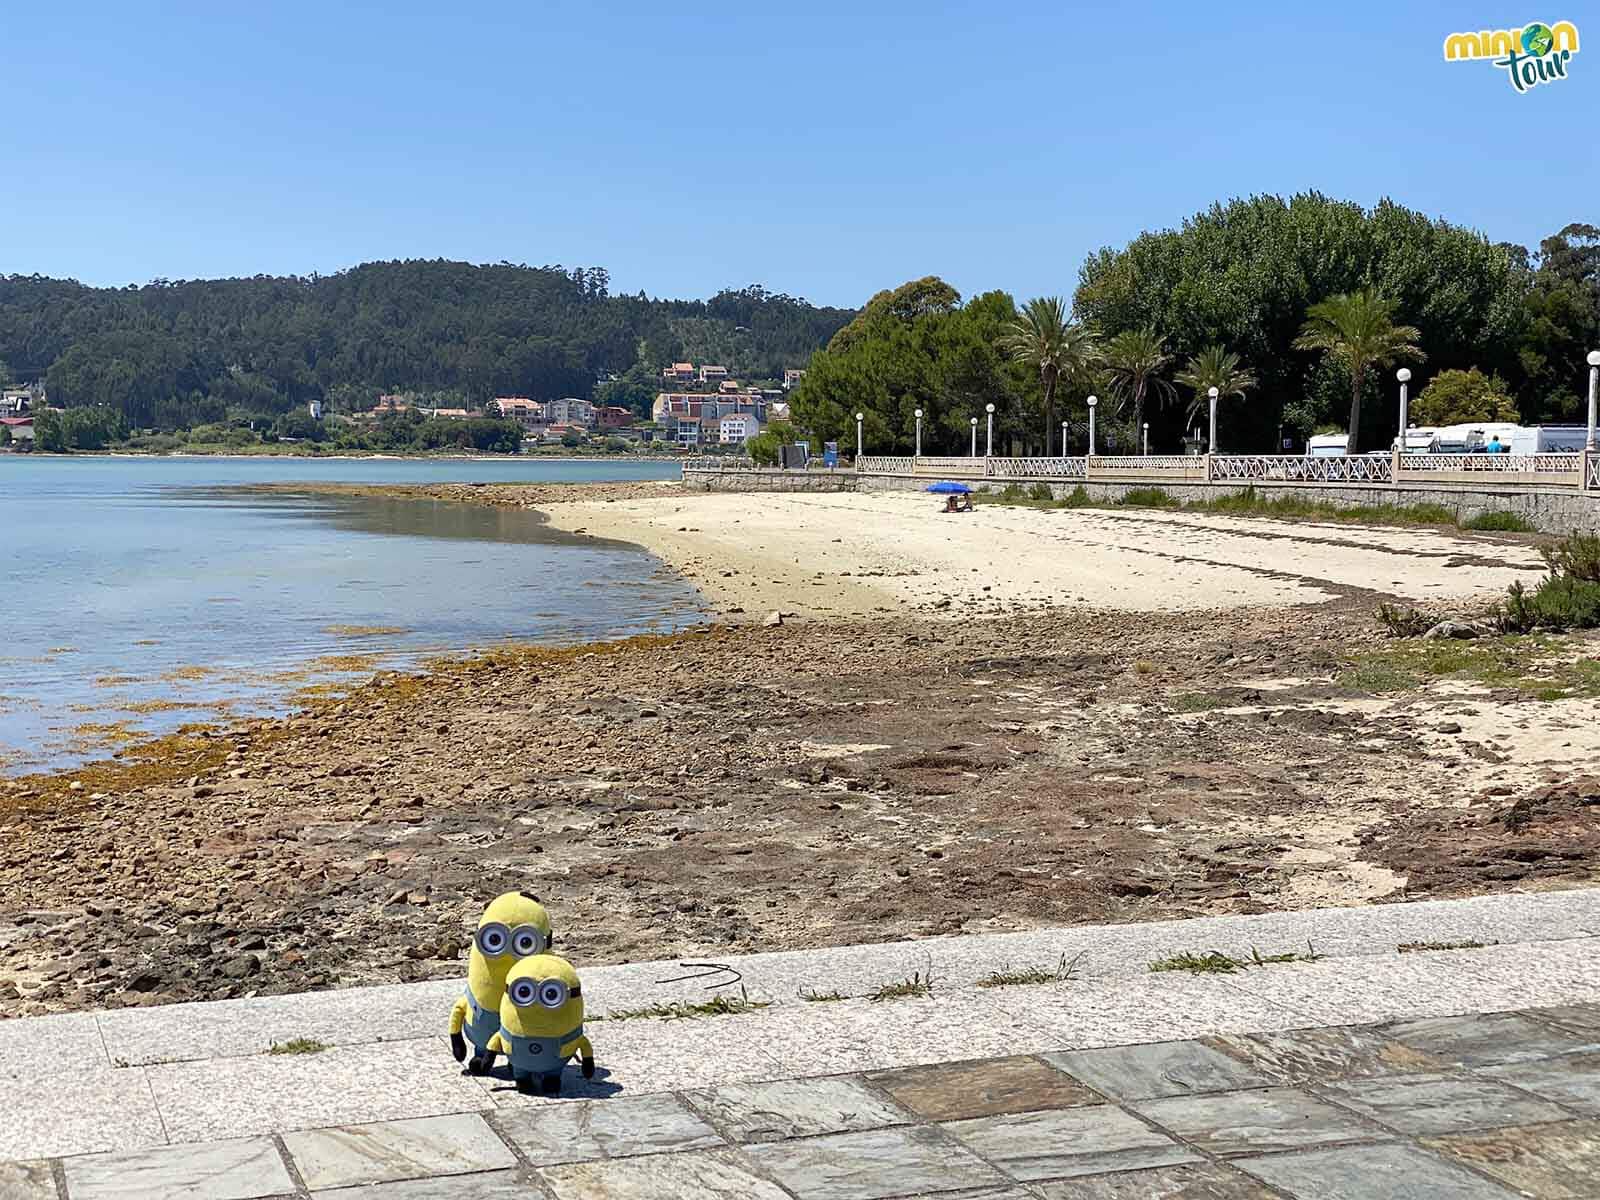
(569, 411)
(315, 409)
(738, 428)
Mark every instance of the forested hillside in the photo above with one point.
(172, 354)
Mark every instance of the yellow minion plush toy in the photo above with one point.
(514, 926)
(541, 1023)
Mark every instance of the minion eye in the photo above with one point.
(552, 993)
(526, 940)
(493, 939)
(523, 992)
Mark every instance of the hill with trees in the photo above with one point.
(174, 354)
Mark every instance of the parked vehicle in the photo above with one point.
(1514, 439)
(1327, 445)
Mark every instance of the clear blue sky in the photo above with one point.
(824, 149)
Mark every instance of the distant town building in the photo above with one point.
(21, 428)
(737, 428)
(570, 411)
(450, 414)
(710, 374)
(611, 416)
(528, 413)
(315, 409)
(679, 373)
(792, 376)
(778, 411)
(14, 403)
(669, 405)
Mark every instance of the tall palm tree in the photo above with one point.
(1214, 367)
(1045, 336)
(1358, 330)
(1135, 359)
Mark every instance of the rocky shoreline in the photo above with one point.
(752, 788)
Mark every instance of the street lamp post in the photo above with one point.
(1404, 376)
(1211, 442)
(1594, 394)
(1093, 400)
(919, 433)
(1063, 439)
(974, 421)
(988, 441)
(1147, 439)
(860, 417)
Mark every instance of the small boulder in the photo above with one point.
(1451, 629)
(773, 618)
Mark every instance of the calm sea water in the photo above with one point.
(142, 593)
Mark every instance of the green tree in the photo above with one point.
(1244, 273)
(1044, 337)
(1459, 397)
(92, 427)
(764, 448)
(1357, 329)
(1214, 367)
(48, 434)
(5, 435)
(1135, 359)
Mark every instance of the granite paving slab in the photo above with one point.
(519, 1184)
(1256, 1122)
(1488, 1039)
(1068, 1142)
(1572, 1080)
(56, 1113)
(1191, 1181)
(1156, 1069)
(1551, 1162)
(1313, 1055)
(642, 1056)
(1419, 1104)
(789, 1108)
(31, 1180)
(388, 1150)
(37, 1044)
(227, 1028)
(1147, 1008)
(1391, 1171)
(586, 1130)
(985, 1088)
(237, 1097)
(698, 1175)
(898, 1161)
(244, 1169)
(1581, 1018)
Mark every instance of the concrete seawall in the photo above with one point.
(1549, 510)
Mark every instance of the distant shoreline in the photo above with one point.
(382, 455)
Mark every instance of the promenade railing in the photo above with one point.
(1291, 468)
(1579, 470)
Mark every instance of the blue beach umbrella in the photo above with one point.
(946, 488)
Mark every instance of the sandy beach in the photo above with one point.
(855, 555)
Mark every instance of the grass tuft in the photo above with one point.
(1419, 947)
(1499, 522)
(816, 997)
(1060, 973)
(1214, 962)
(682, 1010)
(299, 1046)
(1257, 959)
(917, 984)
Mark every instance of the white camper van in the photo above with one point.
(1327, 445)
(1518, 439)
